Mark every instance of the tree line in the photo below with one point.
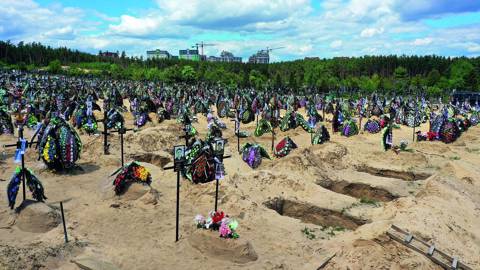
(431, 74)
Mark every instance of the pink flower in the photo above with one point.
(224, 230)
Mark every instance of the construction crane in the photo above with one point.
(268, 50)
(201, 45)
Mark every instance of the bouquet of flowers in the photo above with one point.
(403, 145)
(132, 172)
(218, 221)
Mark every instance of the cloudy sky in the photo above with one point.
(323, 28)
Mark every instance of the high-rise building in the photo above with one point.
(225, 57)
(189, 55)
(158, 54)
(261, 57)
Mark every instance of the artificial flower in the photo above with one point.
(224, 230)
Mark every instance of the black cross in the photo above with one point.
(178, 166)
(122, 131)
(18, 145)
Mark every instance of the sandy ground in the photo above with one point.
(432, 191)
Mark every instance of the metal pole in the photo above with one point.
(178, 205)
(105, 134)
(216, 194)
(121, 145)
(238, 141)
(238, 131)
(273, 138)
(23, 177)
(20, 131)
(63, 221)
(414, 123)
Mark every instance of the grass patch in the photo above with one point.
(455, 158)
(309, 233)
(345, 209)
(365, 200)
(332, 231)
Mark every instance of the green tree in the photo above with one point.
(471, 81)
(292, 81)
(434, 91)
(401, 78)
(278, 81)
(55, 66)
(443, 83)
(433, 77)
(188, 74)
(458, 73)
(256, 79)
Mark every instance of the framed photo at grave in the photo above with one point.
(178, 156)
(219, 147)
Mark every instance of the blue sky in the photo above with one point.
(305, 28)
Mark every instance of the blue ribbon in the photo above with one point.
(23, 146)
(18, 156)
(20, 151)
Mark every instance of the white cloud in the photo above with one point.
(370, 32)
(422, 41)
(340, 27)
(66, 32)
(474, 48)
(137, 26)
(336, 44)
(230, 13)
(306, 48)
(28, 21)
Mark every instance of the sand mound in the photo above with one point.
(378, 254)
(442, 209)
(212, 245)
(154, 138)
(463, 172)
(390, 173)
(36, 217)
(39, 255)
(265, 180)
(151, 197)
(135, 191)
(91, 263)
(331, 154)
